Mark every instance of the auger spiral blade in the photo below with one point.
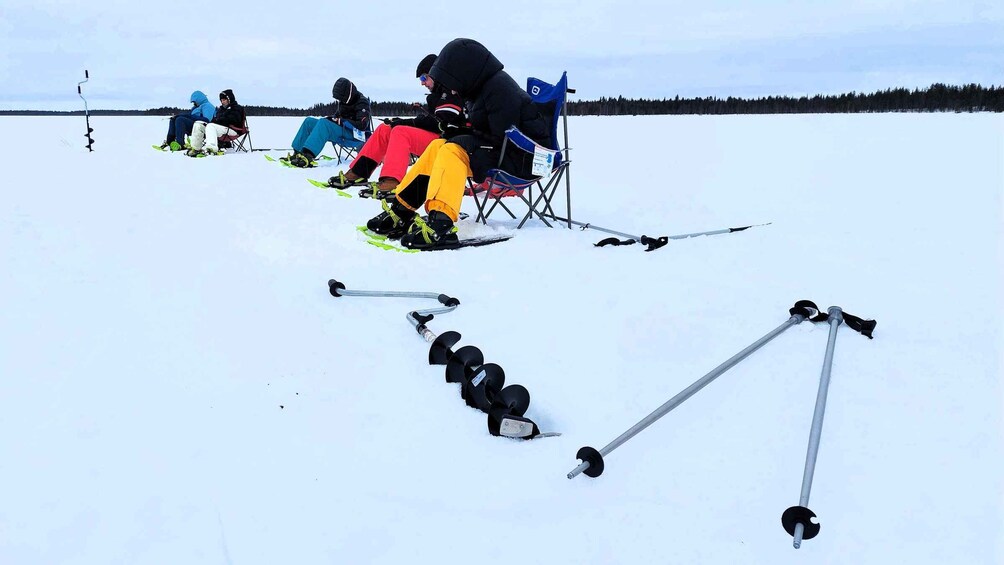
(479, 391)
(458, 367)
(441, 349)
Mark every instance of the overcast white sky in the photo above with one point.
(289, 53)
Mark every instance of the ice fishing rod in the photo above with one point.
(87, 114)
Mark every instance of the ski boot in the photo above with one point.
(383, 190)
(303, 160)
(393, 222)
(345, 180)
(436, 232)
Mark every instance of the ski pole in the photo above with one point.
(87, 114)
(592, 459)
(651, 242)
(797, 520)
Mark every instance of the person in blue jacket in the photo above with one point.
(181, 124)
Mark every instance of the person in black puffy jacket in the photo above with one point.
(495, 103)
(350, 125)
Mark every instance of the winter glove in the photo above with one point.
(394, 122)
(334, 119)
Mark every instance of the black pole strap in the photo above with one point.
(806, 308)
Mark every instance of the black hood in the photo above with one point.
(344, 91)
(464, 65)
(230, 95)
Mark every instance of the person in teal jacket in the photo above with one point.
(181, 124)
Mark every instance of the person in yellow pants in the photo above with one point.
(495, 103)
(437, 180)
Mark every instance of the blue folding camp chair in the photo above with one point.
(549, 163)
(348, 149)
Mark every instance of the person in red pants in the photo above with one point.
(396, 140)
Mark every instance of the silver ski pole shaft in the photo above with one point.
(592, 459)
(801, 514)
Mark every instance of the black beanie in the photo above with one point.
(426, 65)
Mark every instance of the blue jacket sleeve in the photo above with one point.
(209, 111)
(206, 111)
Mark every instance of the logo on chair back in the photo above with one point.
(535, 90)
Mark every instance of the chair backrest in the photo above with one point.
(369, 122)
(550, 100)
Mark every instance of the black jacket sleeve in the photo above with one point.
(444, 109)
(357, 113)
(232, 116)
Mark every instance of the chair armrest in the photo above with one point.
(520, 140)
(513, 135)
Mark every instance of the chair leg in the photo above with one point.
(531, 210)
(482, 217)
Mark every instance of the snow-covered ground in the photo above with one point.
(178, 386)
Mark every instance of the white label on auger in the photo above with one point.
(543, 161)
(515, 428)
(479, 377)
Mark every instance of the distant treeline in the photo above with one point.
(937, 98)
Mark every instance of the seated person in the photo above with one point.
(396, 140)
(438, 179)
(180, 125)
(206, 137)
(351, 122)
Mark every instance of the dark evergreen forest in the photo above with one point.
(936, 98)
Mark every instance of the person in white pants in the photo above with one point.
(205, 136)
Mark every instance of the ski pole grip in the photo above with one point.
(334, 286)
